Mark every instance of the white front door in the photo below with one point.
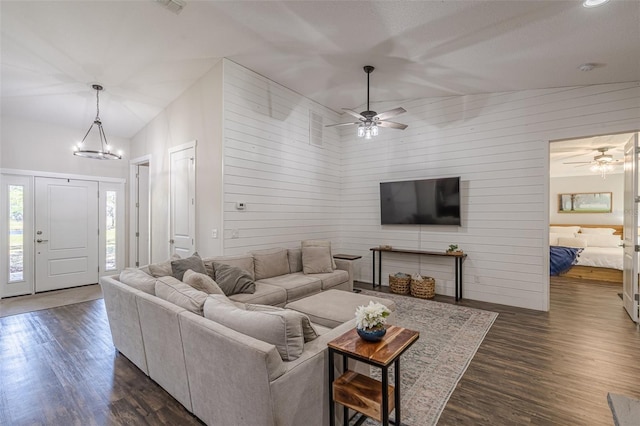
(182, 200)
(66, 237)
(630, 262)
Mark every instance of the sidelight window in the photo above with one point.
(16, 233)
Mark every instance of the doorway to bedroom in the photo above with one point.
(586, 211)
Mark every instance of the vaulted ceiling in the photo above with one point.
(145, 56)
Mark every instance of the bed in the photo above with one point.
(601, 260)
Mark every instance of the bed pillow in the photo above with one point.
(572, 242)
(600, 240)
(553, 238)
(599, 231)
(564, 229)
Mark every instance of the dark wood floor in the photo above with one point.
(59, 367)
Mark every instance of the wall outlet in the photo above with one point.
(214, 233)
(235, 233)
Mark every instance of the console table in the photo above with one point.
(370, 397)
(458, 257)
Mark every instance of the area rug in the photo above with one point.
(625, 410)
(449, 338)
(50, 299)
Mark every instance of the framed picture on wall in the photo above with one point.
(585, 202)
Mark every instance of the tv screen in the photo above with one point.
(420, 202)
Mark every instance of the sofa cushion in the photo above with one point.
(283, 329)
(243, 261)
(137, 279)
(265, 294)
(320, 243)
(332, 279)
(162, 269)
(316, 260)
(295, 260)
(296, 285)
(181, 294)
(193, 262)
(233, 280)
(270, 263)
(308, 329)
(202, 282)
(334, 307)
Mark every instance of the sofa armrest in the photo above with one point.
(346, 265)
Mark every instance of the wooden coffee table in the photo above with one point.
(361, 393)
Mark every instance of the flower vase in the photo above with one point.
(371, 335)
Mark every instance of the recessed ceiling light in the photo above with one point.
(593, 3)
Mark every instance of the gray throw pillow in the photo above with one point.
(310, 333)
(320, 243)
(270, 263)
(233, 280)
(181, 294)
(316, 260)
(180, 266)
(202, 282)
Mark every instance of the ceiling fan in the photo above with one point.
(601, 162)
(369, 121)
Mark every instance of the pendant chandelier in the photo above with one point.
(104, 153)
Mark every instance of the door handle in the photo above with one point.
(171, 241)
(41, 241)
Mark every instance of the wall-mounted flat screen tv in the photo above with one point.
(420, 202)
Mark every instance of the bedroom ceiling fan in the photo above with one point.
(601, 163)
(369, 121)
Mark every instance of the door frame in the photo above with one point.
(133, 210)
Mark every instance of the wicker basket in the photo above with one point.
(399, 285)
(424, 288)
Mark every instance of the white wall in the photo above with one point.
(592, 183)
(195, 115)
(499, 145)
(44, 147)
(291, 188)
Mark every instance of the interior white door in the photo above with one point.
(182, 200)
(66, 237)
(630, 263)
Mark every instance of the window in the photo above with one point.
(111, 263)
(16, 233)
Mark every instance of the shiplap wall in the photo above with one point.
(498, 145)
(290, 187)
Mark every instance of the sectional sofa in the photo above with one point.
(227, 377)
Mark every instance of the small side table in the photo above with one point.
(347, 256)
(361, 393)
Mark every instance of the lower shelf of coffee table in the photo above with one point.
(362, 393)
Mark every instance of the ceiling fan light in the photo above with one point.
(367, 133)
(374, 130)
(360, 131)
(594, 3)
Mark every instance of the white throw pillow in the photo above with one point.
(599, 231)
(600, 240)
(564, 229)
(572, 242)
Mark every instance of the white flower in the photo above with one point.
(373, 315)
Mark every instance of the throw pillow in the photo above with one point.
(320, 243)
(316, 260)
(281, 329)
(181, 294)
(139, 280)
(295, 260)
(308, 331)
(162, 269)
(233, 280)
(601, 231)
(202, 282)
(270, 263)
(180, 266)
(572, 242)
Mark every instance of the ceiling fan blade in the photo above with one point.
(352, 112)
(392, 125)
(341, 124)
(391, 113)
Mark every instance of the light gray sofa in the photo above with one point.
(220, 375)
